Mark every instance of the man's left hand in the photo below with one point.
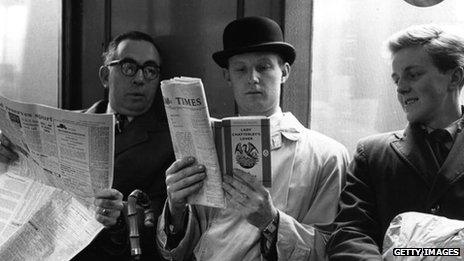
(249, 197)
(109, 206)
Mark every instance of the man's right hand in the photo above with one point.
(183, 178)
(7, 154)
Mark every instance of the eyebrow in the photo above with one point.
(132, 59)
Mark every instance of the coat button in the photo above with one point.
(434, 210)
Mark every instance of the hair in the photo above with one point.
(445, 49)
(110, 52)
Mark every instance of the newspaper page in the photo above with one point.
(191, 134)
(64, 158)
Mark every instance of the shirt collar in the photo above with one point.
(110, 110)
(454, 128)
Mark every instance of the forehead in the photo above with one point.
(254, 57)
(139, 50)
(410, 57)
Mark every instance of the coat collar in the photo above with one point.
(287, 125)
(452, 169)
(410, 145)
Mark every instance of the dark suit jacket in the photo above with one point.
(143, 152)
(393, 173)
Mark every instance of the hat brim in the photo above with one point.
(287, 51)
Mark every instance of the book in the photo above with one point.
(244, 143)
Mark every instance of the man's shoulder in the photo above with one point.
(320, 143)
(381, 139)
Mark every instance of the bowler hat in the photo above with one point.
(253, 34)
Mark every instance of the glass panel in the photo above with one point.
(353, 95)
(30, 38)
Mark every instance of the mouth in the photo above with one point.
(410, 101)
(135, 94)
(254, 92)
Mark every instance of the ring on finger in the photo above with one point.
(104, 211)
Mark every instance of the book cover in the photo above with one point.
(244, 143)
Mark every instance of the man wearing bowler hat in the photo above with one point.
(307, 168)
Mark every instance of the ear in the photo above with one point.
(104, 73)
(226, 75)
(285, 72)
(457, 78)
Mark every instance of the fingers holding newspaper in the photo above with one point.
(249, 197)
(183, 178)
(109, 206)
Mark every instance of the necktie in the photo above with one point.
(438, 138)
(120, 122)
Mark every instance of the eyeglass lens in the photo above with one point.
(130, 68)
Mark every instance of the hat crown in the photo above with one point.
(253, 34)
(250, 31)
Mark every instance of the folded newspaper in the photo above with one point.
(243, 142)
(191, 134)
(46, 196)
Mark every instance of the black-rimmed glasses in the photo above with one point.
(130, 67)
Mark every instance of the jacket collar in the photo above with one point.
(287, 125)
(410, 145)
(452, 169)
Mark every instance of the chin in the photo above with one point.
(136, 111)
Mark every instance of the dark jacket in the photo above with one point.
(143, 152)
(393, 173)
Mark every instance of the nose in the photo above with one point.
(138, 77)
(402, 87)
(253, 76)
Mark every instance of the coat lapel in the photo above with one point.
(129, 139)
(452, 169)
(137, 131)
(412, 149)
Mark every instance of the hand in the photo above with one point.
(183, 178)
(109, 205)
(248, 197)
(7, 154)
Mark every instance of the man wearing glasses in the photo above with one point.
(143, 150)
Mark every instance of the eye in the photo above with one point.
(263, 67)
(151, 71)
(238, 69)
(128, 68)
(414, 75)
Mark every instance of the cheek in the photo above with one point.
(431, 92)
(152, 92)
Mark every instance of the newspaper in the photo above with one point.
(46, 196)
(191, 134)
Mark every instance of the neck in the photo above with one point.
(265, 113)
(447, 118)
